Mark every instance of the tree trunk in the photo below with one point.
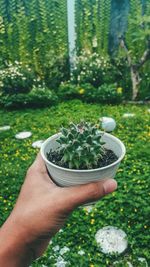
(135, 78)
(118, 24)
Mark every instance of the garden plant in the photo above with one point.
(45, 85)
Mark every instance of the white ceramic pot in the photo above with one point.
(69, 177)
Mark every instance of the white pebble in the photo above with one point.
(23, 135)
(108, 124)
(37, 144)
(4, 128)
(128, 115)
(111, 240)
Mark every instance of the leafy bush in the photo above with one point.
(106, 93)
(109, 94)
(93, 69)
(67, 91)
(55, 70)
(16, 79)
(34, 99)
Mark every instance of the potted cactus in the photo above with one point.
(81, 154)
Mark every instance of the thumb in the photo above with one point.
(77, 195)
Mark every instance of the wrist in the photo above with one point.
(15, 247)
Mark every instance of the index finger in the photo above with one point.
(39, 164)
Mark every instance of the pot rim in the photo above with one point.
(83, 171)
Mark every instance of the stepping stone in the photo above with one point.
(37, 144)
(23, 135)
(111, 240)
(4, 128)
(108, 124)
(128, 115)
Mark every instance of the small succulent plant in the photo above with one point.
(81, 145)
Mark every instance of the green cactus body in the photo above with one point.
(81, 145)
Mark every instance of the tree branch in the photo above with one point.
(145, 57)
(122, 44)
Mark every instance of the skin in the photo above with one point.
(39, 213)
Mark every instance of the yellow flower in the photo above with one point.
(91, 265)
(92, 221)
(81, 91)
(119, 90)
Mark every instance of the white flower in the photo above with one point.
(60, 262)
(88, 208)
(64, 250)
(56, 248)
(116, 263)
(81, 252)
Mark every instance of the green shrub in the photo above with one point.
(16, 79)
(106, 93)
(67, 91)
(93, 69)
(55, 70)
(109, 94)
(36, 98)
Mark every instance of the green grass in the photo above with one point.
(128, 208)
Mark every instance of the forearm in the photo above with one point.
(15, 251)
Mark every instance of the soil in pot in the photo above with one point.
(108, 158)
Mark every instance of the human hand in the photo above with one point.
(42, 208)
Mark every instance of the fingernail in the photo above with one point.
(110, 185)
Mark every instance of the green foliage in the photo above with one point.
(92, 20)
(29, 30)
(92, 68)
(109, 94)
(55, 70)
(16, 78)
(138, 30)
(106, 93)
(36, 98)
(126, 208)
(68, 90)
(81, 145)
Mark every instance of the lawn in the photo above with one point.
(128, 208)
